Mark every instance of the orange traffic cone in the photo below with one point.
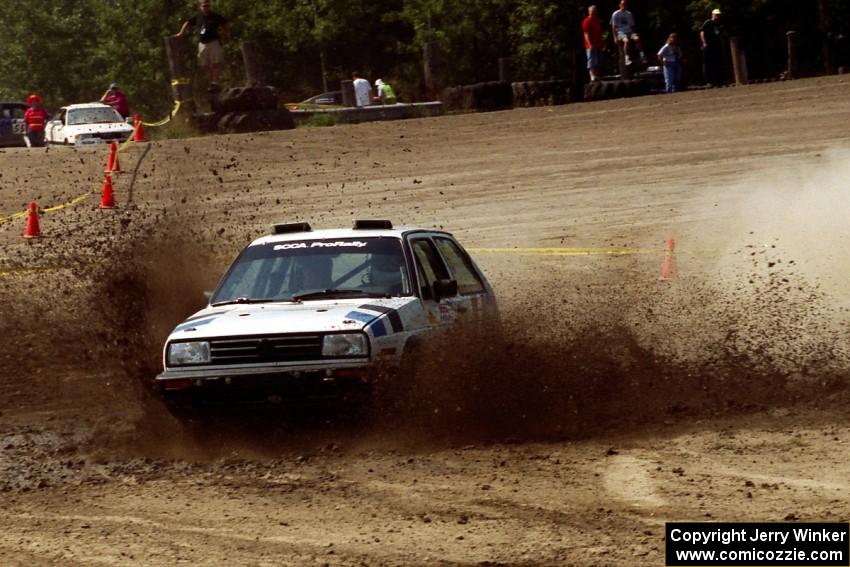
(107, 196)
(668, 268)
(112, 165)
(110, 161)
(33, 230)
(139, 132)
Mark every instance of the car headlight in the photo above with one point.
(188, 353)
(345, 344)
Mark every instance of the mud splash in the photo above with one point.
(566, 362)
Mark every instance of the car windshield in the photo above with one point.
(302, 270)
(99, 115)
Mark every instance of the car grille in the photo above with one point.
(111, 135)
(273, 348)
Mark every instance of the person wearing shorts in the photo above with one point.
(591, 29)
(623, 26)
(211, 27)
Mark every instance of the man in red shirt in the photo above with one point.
(35, 119)
(593, 43)
(117, 100)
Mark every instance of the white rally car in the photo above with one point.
(303, 313)
(83, 124)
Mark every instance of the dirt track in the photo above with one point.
(619, 402)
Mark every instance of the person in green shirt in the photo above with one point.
(385, 93)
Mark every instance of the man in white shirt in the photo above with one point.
(623, 26)
(362, 90)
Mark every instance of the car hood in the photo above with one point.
(275, 318)
(92, 128)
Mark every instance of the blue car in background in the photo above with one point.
(12, 123)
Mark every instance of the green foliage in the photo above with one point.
(320, 120)
(70, 50)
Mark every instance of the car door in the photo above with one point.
(54, 132)
(18, 127)
(6, 137)
(430, 268)
(12, 124)
(474, 295)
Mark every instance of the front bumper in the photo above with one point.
(223, 385)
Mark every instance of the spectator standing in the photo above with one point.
(115, 98)
(591, 29)
(623, 26)
(362, 90)
(711, 36)
(670, 56)
(211, 27)
(35, 120)
(384, 92)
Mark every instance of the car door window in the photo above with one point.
(461, 267)
(429, 265)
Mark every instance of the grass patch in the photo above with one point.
(320, 120)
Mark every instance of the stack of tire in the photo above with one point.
(250, 109)
(541, 93)
(480, 97)
(604, 90)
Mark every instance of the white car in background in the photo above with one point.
(315, 314)
(90, 123)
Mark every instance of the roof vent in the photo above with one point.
(287, 227)
(371, 224)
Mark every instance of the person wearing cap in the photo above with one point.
(117, 100)
(711, 38)
(35, 120)
(385, 94)
(211, 26)
(362, 90)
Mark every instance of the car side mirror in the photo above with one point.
(445, 288)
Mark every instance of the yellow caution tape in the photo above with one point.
(73, 201)
(52, 209)
(13, 217)
(27, 271)
(165, 120)
(610, 251)
(180, 81)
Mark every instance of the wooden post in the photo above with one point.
(506, 71)
(792, 54)
(253, 68)
(181, 83)
(348, 98)
(432, 66)
(739, 62)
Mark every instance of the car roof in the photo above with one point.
(86, 105)
(12, 102)
(321, 234)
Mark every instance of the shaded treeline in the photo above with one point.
(70, 50)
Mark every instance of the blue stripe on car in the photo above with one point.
(360, 316)
(378, 328)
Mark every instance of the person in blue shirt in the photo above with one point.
(670, 56)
